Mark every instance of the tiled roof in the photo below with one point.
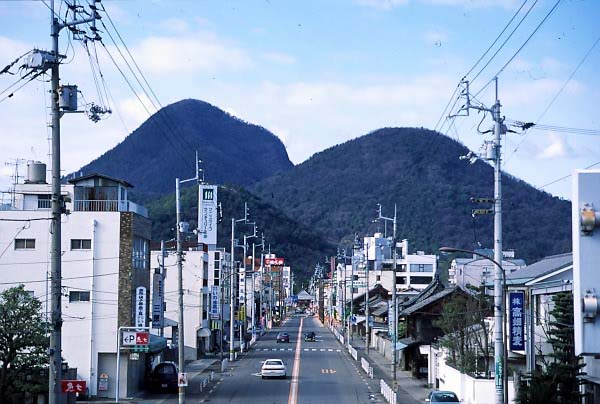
(542, 267)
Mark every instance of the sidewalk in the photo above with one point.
(409, 389)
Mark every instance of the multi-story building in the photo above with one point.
(478, 271)
(105, 269)
(413, 271)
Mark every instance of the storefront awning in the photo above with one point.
(157, 344)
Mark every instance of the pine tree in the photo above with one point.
(560, 380)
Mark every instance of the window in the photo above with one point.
(401, 280)
(216, 282)
(24, 243)
(44, 202)
(81, 244)
(79, 296)
(140, 253)
(216, 273)
(378, 278)
(422, 280)
(421, 267)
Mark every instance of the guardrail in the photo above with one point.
(353, 352)
(366, 367)
(388, 393)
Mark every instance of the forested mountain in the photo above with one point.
(301, 247)
(163, 148)
(336, 193)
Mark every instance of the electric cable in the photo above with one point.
(521, 47)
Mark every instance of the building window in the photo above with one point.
(79, 296)
(216, 274)
(421, 267)
(378, 278)
(24, 243)
(401, 280)
(44, 202)
(216, 282)
(421, 280)
(81, 244)
(140, 253)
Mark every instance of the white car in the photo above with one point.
(273, 368)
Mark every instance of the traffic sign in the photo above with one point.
(72, 386)
(142, 338)
(353, 319)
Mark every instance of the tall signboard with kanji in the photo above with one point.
(207, 214)
(516, 301)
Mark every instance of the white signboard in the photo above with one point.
(157, 301)
(140, 306)
(207, 214)
(128, 338)
(214, 302)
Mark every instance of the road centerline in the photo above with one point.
(293, 397)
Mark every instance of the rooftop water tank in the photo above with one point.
(36, 172)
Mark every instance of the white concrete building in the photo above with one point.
(478, 271)
(413, 271)
(105, 258)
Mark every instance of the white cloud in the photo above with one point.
(555, 148)
(390, 4)
(176, 25)
(382, 4)
(279, 58)
(201, 52)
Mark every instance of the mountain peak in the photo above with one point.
(163, 147)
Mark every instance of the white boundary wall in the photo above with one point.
(467, 388)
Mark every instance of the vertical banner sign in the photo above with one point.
(517, 323)
(391, 314)
(140, 306)
(157, 301)
(214, 302)
(207, 214)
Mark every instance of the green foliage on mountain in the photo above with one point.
(163, 148)
(336, 192)
(301, 247)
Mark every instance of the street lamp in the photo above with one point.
(231, 288)
(499, 296)
(394, 305)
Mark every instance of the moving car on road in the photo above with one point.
(310, 336)
(273, 368)
(442, 397)
(283, 337)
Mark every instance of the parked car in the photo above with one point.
(283, 337)
(163, 377)
(442, 397)
(273, 368)
(310, 336)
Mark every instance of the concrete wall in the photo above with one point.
(467, 388)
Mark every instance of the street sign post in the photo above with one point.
(135, 338)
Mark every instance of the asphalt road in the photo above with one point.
(324, 373)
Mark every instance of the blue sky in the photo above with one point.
(317, 73)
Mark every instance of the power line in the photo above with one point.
(505, 41)
(46, 262)
(567, 176)
(69, 278)
(522, 46)
(498, 37)
(559, 92)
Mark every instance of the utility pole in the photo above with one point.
(55, 349)
(492, 152)
(393, 312)
(367, 329)
(232, 288)
(182, 227)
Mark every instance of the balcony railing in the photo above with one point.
(109, 206)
